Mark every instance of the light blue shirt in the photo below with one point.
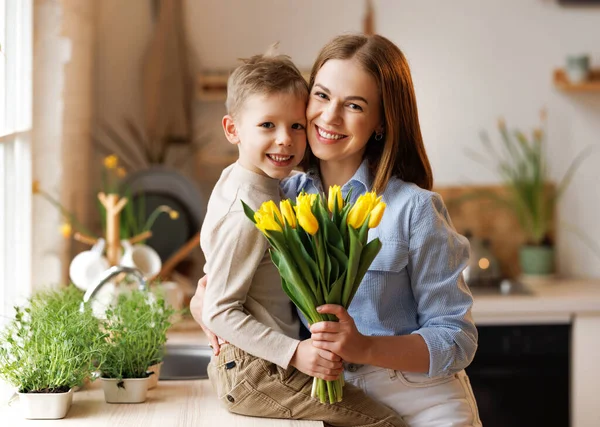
(415, 284)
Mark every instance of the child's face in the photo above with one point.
(344, 109)
(270, 131)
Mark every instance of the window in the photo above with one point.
(15, 150)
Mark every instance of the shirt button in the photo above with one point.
(352, 367)
(230, 398)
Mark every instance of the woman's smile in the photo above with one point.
(328, 136)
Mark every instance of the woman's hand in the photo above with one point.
(316, 363)
(342, 337)
(196, 309)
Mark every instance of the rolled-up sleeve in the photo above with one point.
(437, 257)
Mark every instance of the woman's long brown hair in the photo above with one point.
(401, 153)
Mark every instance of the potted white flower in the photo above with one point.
(136, 327)
(50, 347)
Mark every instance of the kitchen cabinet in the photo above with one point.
(560, 302)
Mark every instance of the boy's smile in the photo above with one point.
(270, 132)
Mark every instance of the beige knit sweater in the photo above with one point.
(244, 303)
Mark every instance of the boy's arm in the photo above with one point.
(236, 250)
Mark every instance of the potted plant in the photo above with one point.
(49, 348)
(520, 162)
(157, 336)
(136, 326)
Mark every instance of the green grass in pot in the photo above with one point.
(137, 331)
(50, 346)
(520, 163)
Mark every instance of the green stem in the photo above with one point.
(66, 213)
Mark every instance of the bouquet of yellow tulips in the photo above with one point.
(320, 248)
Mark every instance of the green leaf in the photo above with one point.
(369, 253)
(304, 299)
(335, 293)
(248, 211)
(356, 247)
(306, 264)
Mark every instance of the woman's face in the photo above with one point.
(344, 109)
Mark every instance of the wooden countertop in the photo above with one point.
(171, 403)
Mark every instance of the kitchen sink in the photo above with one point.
(185, 362)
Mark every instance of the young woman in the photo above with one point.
(408, 334)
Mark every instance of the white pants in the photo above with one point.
(421, 401)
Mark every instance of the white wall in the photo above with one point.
(472, 61)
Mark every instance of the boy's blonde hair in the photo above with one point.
(263, 75)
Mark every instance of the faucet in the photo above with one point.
(112, 272)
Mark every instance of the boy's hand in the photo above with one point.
(316, 363)
(196, 310)
(342, 337)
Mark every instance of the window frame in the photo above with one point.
(16, 83)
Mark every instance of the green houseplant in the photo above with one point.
(137, 331)
(521, 164)
(50, 347)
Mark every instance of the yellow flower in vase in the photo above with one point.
(66, 230)
(111, 162)
(35, 187)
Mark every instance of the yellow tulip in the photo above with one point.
(121, 172)
(288, 212)
(335, 193)
(306, 219)
(266, 223)
(304, 198)
(362, 208)
(358, 213)
(376, 214)
(271, 210)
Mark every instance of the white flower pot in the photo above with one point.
(130, 390)
(155, 376)
(45, 406)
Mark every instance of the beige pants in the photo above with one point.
(247, 385)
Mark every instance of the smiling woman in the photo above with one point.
(15, 153)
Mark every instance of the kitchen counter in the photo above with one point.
(556, 301)
(171, 403)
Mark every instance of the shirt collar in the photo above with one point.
(362, 177)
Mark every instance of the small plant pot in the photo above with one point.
(45, 406)
(537, 260)
(155, 369)
(129, 390)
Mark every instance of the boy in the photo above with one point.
(264, 369)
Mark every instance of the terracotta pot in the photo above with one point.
(129, 390)
(45, 406)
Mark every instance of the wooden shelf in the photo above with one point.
(561, 81)
(212, 85)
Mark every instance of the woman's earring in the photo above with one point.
(378, 136)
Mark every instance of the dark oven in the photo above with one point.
(520, 375)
